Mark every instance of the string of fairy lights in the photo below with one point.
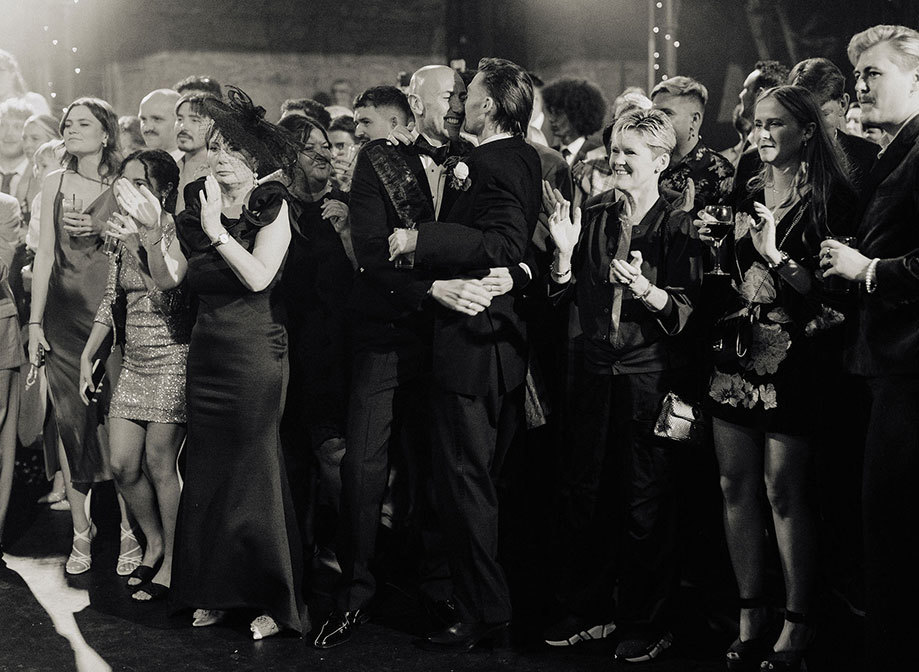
(662, 40)
(62, 48)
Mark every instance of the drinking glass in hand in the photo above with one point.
(109, 242)
(836, 284)
(718, 229)
(71, 205)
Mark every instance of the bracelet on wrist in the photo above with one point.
(783, 260)
(645, 294)
(38, 322)
(871, 276)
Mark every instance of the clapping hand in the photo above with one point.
(629, 273)
(564, 228)
(763, 233)
(211, 208)
(140, 203)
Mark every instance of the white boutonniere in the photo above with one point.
(459, 175)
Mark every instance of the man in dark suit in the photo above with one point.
(392, 330)
(885, 337)
(479, 360)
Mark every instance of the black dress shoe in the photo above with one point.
(466, 636)
(338, 628)
(443, 612)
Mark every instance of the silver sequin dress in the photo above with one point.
(157, 329)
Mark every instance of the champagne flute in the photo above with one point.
(722, 225)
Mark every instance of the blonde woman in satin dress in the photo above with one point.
(147, 414)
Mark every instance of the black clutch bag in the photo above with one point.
(680, 421)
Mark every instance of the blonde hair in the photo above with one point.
(653, 126)
(905, 42)
(682, 86)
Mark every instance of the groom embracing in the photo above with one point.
(479, 355)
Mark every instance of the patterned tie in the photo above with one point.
(622, 252)
(7, 182)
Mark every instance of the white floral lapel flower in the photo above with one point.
(460, 176)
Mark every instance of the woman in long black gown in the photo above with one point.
(237, 545)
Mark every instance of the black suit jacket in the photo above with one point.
(489, 226)
(886, 332)
(382, 292)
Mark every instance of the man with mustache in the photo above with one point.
(884, 336)
(191, 139)
(394, 186)
(157, 121)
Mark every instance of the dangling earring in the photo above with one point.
(802, 171)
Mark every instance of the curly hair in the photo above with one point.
(580, 100)
(771, 74)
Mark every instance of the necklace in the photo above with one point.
(101, 181)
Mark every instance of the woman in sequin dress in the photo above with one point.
(237, 544)
(147, 413)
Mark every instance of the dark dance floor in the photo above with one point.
(88, 623)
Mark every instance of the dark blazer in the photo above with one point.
(885, 338)
(382, 292)
(489, 226)
(590, 142)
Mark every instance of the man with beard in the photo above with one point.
(392, 323)
(191, 136)
(157, 121)
(480, 354)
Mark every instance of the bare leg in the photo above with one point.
(127, 439)
(9, 414)
(740, 460)
(787, 461)
(163, 443)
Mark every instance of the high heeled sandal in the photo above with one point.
(263, 626)
(80, 562)
(205, 617)
(131, 559)
(789, 660)
(747, 654)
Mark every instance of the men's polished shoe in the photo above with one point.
(338, 628)
(443, 612)
(466, 636)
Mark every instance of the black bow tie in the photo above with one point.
(438, 154)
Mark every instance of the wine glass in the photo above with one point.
(718, 229)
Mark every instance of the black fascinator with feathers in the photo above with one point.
(242, 124)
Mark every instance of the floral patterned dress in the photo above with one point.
(763, 344)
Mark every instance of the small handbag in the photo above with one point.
(680, 421)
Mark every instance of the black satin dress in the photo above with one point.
(237, 544)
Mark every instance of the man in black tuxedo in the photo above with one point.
(885, 337)
(479, 360)
(394, 186)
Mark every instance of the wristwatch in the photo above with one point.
(222, 239)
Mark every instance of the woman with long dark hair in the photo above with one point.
(147, 413)
(761, 394)
(237, 545)
(68, 281)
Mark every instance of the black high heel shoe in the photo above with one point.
(746, 655)
(789, 660)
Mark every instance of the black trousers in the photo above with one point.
(890, 496)
(385, 384)
(472, 436)
(617, 514)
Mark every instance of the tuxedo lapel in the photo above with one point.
(417, 168)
